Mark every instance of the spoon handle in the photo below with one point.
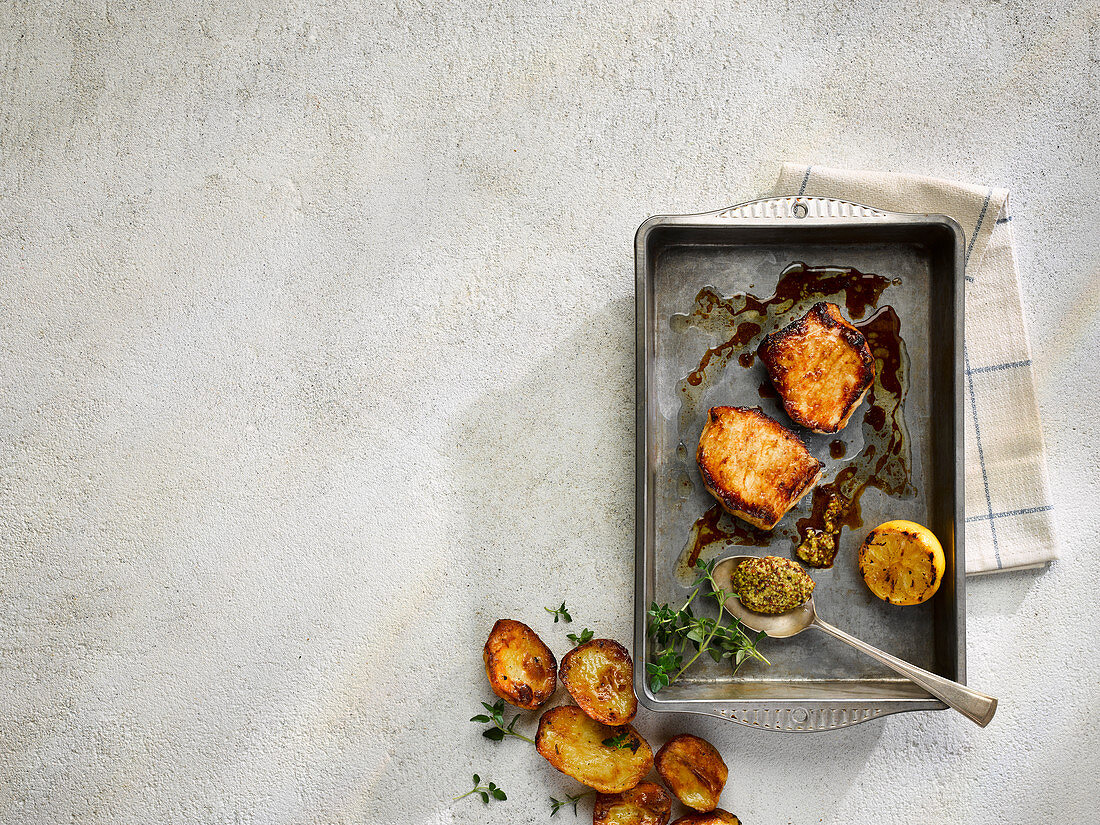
(973, 705)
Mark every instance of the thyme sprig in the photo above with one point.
(556, 805)
(486, 792)
(499, 729)
(560, 613)
(676, 633)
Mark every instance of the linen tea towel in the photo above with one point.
(1008, 503)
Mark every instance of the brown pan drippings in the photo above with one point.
(884, 460)
(740, 321)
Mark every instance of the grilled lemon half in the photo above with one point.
(902, 562)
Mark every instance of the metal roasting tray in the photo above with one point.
(813, 683)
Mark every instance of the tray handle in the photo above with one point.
(799, 207)
(802, 719)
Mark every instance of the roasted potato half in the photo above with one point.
(715, 817)
(573, 742)
(644, 804)
(599, 675)
(521, 669)
(693, 770)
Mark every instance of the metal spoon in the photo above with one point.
(973, 705)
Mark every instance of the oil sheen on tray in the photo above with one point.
(741, 321)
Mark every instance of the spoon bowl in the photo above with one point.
(776, 625)
(976, 706)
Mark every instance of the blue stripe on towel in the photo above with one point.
(1009, 513)
(805, 180)
(981, 460)
(974, 237)
(999, 367)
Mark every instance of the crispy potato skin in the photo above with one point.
(821, 367)
(753, 465)
(521, 669)
(599, 675)
(572, 741)
(693, 770)
(644, 804)
(715, 817)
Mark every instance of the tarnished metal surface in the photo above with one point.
(687, 266)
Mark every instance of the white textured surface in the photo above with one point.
(317, 357)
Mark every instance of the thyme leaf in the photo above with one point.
(556, 804)
(622, 740)
(585, 636)
(486, 792)
(496, 716)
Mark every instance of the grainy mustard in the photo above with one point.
(819, 547)
(771, 584)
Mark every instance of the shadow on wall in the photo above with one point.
(1010, 595)
(545, 471)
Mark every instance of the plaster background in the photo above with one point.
(316, 356)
